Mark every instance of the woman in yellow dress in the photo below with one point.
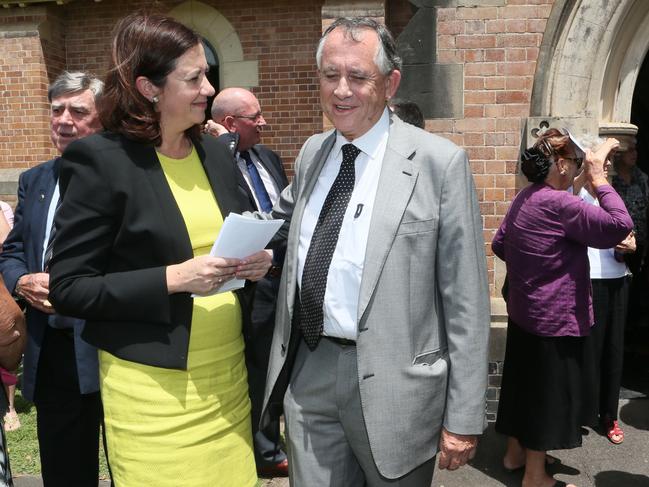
(142, 204)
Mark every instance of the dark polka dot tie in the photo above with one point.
(323, 244)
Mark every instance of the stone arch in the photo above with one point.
(213, 26)
(589, 61)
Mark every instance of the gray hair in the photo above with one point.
(74, 82)
(386, 58)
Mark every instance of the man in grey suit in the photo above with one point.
(379, 356)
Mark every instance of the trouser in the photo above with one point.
(326, 433)
(610, 299)
(67, 421)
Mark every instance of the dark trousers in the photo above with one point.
(259, 338)
(67, 421)
(605, 345)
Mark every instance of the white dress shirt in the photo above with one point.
(50, 219)
(269, 184)
(346, 270)
(603, 264)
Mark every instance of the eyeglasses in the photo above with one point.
(256, 117)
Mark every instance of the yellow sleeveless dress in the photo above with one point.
(185, 428)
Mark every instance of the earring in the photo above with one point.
(155, 99)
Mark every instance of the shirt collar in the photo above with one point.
(370, 142)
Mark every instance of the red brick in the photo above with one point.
(472, 97)
(481, 13)
(473, 41)
(516, 25)
(523, 83)
(494, 55)
(495, 26)
(477, 138)
(481, 153)
(474, 83)
(450, 56)
(473, 55)
(495, 83)
(512, 97)
(474, 27)
(473, 111)
(475, 125)
(516, 69)
(450, 27)
(480, 69)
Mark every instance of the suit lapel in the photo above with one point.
(272, 168)
(244, 188)
(396, 184)
(223, 177)
(38, 218)
(308, 182)
(168, 208)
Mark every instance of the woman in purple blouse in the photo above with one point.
(543, 241)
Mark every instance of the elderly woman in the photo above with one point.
(610, 279)
(141, 206)
(543, 241)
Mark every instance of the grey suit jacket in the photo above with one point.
(423, 316)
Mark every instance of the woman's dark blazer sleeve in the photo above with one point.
(118, 228)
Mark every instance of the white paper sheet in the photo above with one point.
(240, 237)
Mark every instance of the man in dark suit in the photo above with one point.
(262, 178)
(60, 373)
(379, 355)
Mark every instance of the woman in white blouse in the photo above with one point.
(610, 279)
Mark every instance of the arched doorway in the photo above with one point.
(636, 358)
(234, 70)
(213, 74)
(591, 75)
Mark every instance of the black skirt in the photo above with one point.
(543, 398)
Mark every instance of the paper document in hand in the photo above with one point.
(240, 237)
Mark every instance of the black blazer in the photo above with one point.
(119, 227)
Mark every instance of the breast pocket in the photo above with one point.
(418, 226)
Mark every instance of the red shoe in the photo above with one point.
(275, 470)
(613, 432)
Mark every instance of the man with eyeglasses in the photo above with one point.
(237, 120)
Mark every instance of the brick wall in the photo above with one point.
(498, 47)
(280, 35)
(24, 135)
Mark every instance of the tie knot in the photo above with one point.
(246, 156)
(350, 152)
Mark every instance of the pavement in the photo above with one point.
(598, 463)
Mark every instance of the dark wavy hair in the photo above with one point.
(536, 160)
(143, 44)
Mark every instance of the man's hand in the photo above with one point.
(455, 450)
(35, 289)
(214, 128)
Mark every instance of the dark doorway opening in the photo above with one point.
(213, 73)
(635, 379)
